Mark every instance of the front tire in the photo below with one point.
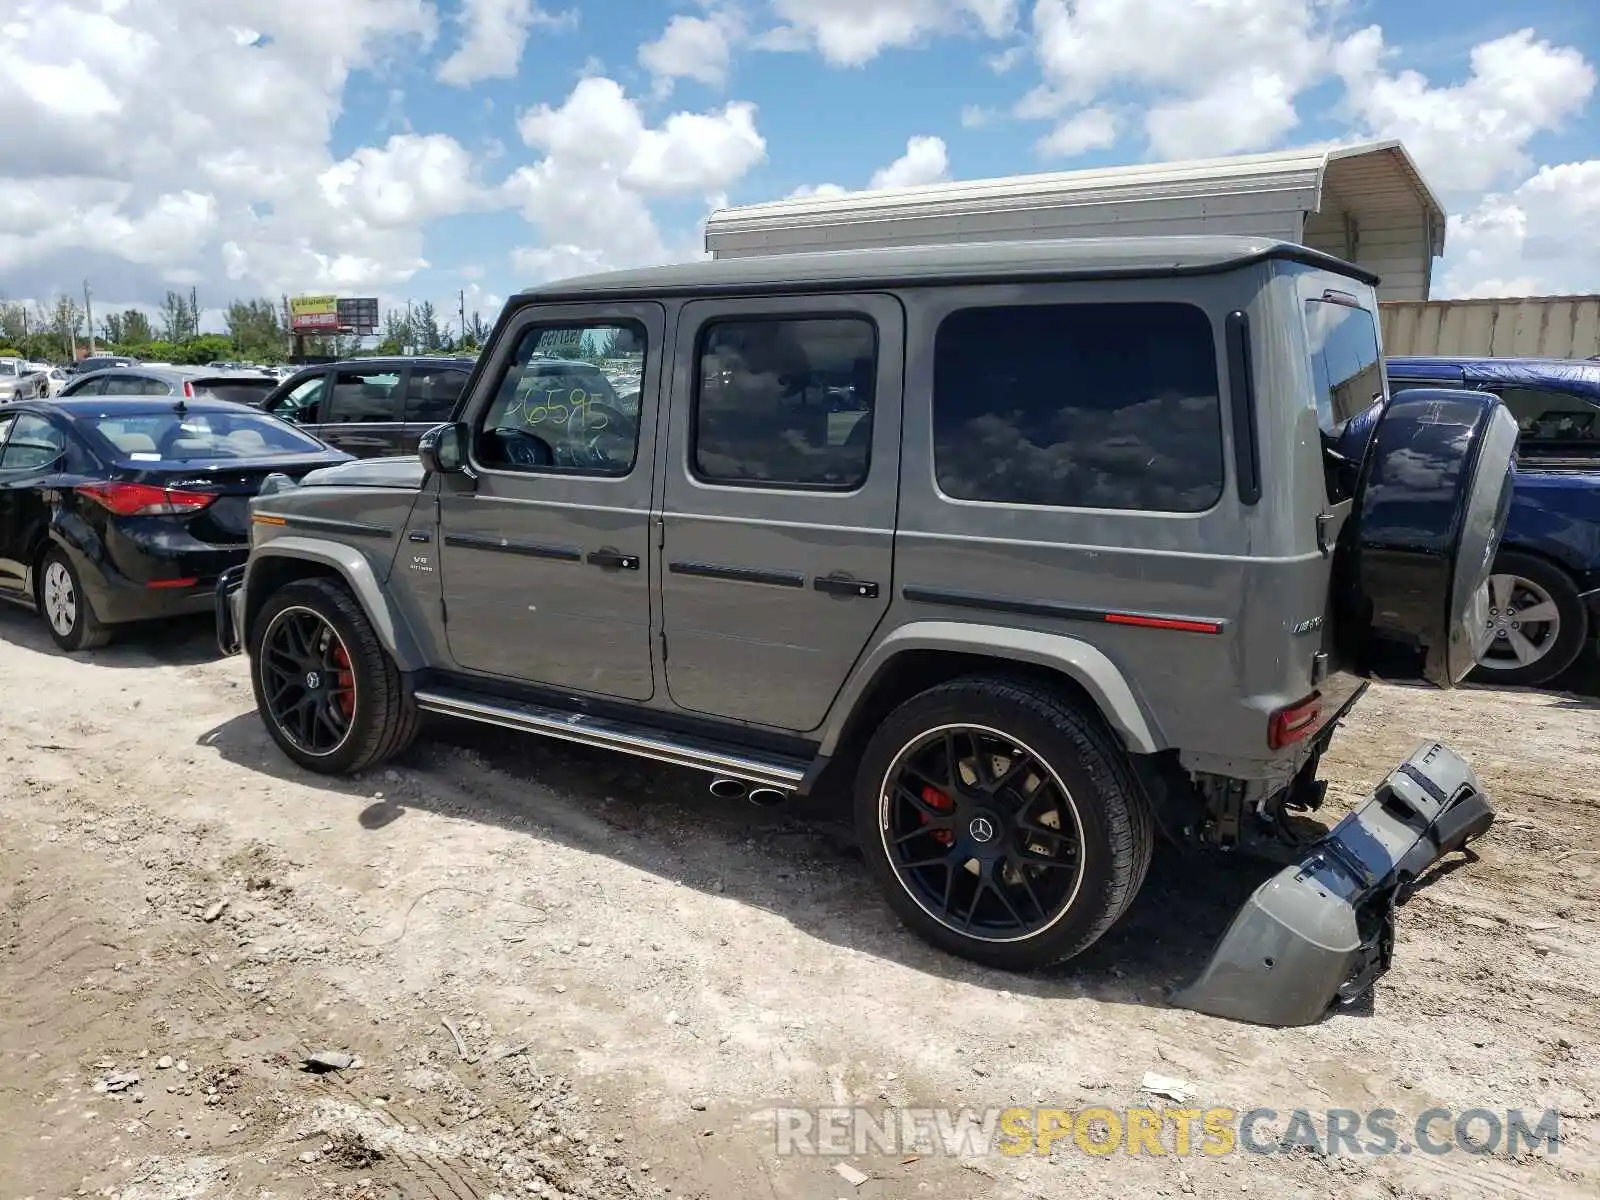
(1001, 822)
(330, 695)
(1538, 621)
(65, 606)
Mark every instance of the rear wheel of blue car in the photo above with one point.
(1538, 623)
(1002, 822)
(331, 696)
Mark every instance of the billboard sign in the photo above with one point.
(314, 314)
(359, 316)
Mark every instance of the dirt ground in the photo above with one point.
(639, 974)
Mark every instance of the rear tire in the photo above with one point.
(363, 715)
(1524, 584)
(1038, 835)
(65, 606)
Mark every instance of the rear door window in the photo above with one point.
(300, 403)
(1105, 406)
(360, 397)
(786, 402)
(431, 394)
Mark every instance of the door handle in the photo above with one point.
(832, 585)
(610, 560)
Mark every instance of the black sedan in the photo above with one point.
(118, 509)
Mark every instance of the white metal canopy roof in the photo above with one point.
(1367, 203)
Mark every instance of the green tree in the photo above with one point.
(425, 328)
(203, 348)
(180, 317)
(127, 330)
(255, 330)
(14, 322)
(136, 329)
(66, 322)
(477, 332)
(396, 334)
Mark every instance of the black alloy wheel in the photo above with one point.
(982, 834)
(331, 696)
(308, 685)
(1002, 821)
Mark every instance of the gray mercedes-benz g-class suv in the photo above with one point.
(1039, 550)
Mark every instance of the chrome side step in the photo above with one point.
(781, 773)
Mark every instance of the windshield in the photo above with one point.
(239, 391)
(169, 436)
(8, 366)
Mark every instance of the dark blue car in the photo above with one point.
(1545, 591)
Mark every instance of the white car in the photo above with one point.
(19, 381)
(54, 380)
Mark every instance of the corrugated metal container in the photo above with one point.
(1513, 327)
(1365, 203)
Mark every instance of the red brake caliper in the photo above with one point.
(346, 696)
(935, 799)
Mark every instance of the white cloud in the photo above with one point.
(851, 33)
(822, 191)
(690, 152)
(691, 48)
(494, 34)
(976, 116)
(1219, 77)
(1472, 135)
(1541, 238)
(410, 180)
(925, 161)
(1007, 59)
(696, 152)
(601, 164)
(210, 172)
(1090, 129)
(1085, 46)
(1253, 108)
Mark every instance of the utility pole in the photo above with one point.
(461, 312)
(88, 316)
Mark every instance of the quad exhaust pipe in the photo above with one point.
(733, 789)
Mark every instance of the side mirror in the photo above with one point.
(443, 449)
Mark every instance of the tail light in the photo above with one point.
(188, 390)
(1295, 722)
(144, 500)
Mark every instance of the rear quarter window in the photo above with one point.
(1105, 406)
(1346, 367)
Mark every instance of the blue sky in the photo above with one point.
(408, 148)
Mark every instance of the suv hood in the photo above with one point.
(400, 471)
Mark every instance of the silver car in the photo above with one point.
(146, 379)
(19, 381)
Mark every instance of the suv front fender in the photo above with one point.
(271, 565)
(1081, 662)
